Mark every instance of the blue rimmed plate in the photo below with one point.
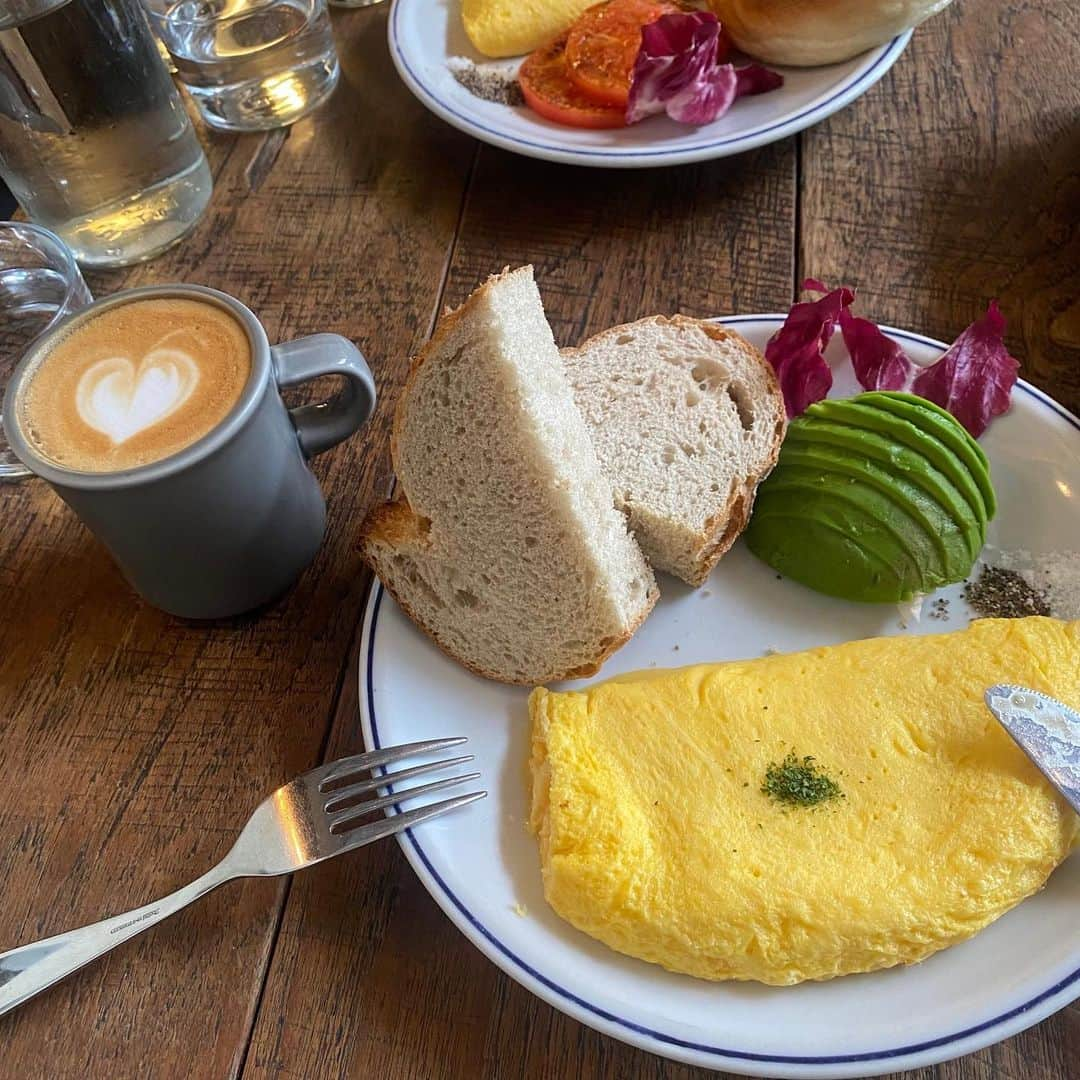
(425, 34)
(482, 867)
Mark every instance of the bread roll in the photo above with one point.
(806, 33)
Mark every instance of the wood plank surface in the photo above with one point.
(414, 998)
(132, 745)
(958, 180)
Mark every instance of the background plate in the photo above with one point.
(424, 34)
(483, 868)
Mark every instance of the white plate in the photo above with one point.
(424, 34)
(480, 863)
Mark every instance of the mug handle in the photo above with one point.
(322, 426)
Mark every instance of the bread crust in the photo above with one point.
(394, 524)
(724, 527)
(722, 530)
(807, 33)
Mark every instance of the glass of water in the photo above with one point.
(95, 142)
(40, 283)
(250, 65)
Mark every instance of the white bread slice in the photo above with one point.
(687, 418)
(505, 546)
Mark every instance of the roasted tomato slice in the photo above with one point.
(549, 91)
(604, 42)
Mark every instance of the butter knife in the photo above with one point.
(1047, 730)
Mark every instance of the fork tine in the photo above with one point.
(335, 770)
(351, 813)
(388, 826)
(340, 795)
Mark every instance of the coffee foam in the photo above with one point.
(116, 399)
(135, 384)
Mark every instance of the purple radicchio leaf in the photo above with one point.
(879, 362)
(676, 72)
(756, 79)
(974, 378)
(796, 349)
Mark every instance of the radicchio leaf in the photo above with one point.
(879, 363)
(756, 79)
(676, 72)
(796, 349)
(974, 378)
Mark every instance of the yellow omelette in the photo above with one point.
(513, 27)
(657, 839)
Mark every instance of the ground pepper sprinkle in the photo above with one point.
(939, 609)
(1055, 573)
(489, 84)
(1003, 594)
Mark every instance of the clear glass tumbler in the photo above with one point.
(95, 142)
(40, 283)
(250, 65)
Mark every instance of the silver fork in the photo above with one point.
(310, 819)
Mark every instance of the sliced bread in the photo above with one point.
(505, 544)
(687, 419)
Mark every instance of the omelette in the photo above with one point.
(660, 836)
(512, 27)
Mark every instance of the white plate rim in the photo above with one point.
(868, 1063)
(877, 63)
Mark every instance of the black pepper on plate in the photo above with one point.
(939, 609)
(998, 593)
(489, 84)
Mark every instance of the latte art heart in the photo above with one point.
(135, 383)
(121, 400)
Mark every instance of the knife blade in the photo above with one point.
(1046, 729)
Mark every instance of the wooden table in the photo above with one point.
(132, 745)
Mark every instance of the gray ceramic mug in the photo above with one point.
(227, 523)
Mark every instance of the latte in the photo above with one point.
(135, 384)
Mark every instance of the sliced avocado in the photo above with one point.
(907, 533)
(849, 518)
(902, 432)
(934, 420)
(951, 544)
(897, 459)
(934, 407)
(821, 547)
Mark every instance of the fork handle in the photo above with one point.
(28, 970)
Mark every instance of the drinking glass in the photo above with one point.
(94, 140)
(40, 284)
(250, 65)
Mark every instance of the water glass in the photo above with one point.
(250, 65)
(40, 284)
(95, 142)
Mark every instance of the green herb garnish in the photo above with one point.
(799, 782)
